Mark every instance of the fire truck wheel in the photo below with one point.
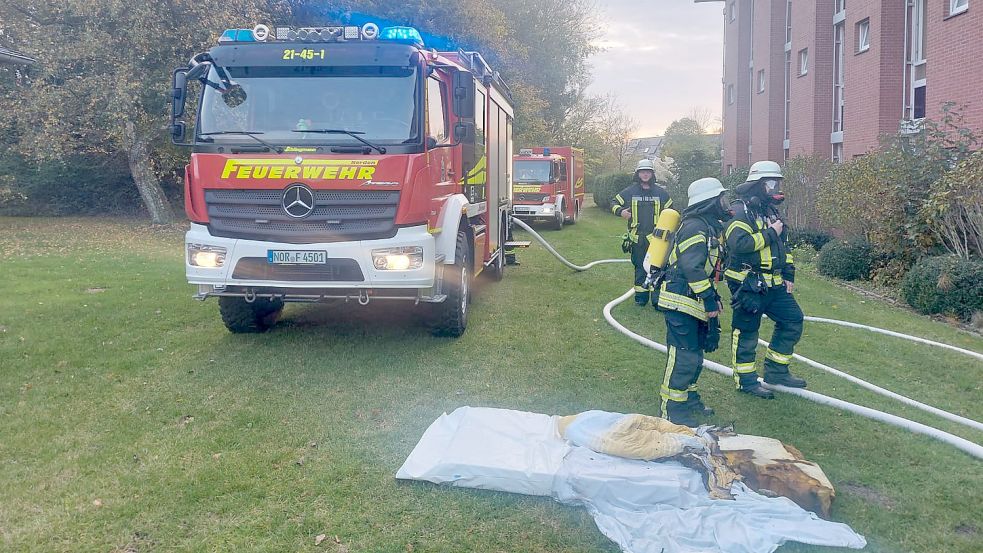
(576, 214)
(242, 317)
(451, 315)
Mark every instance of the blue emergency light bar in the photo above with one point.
(237, 35)
(369, 31)
(402, 34)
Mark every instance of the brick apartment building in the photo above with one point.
(829, 77)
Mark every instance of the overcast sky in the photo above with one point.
(662, 57)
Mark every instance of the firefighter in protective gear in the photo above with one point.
(690, 301)
(760, 274)
(641, 204)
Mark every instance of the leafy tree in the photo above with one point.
(694, 154)
(103, 77)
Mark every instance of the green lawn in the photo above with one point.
(131, 420)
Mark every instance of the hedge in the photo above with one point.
(945, 284)
(846, 259)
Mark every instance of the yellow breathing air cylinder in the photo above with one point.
(660, 241)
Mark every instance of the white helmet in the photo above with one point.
(645, 164)
(704, 189)
(764, 169)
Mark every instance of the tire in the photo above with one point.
(451, 315)
(241, 317)
(559, 219)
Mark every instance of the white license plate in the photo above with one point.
(296, 257)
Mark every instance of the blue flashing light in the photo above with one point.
(402, 34)
(237, 35)
(546, 152)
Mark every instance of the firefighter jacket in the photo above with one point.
(645, 206)
(752, 245)
(688, 287)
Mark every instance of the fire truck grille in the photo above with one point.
(334, 270)
(530, 197)
(338, 215)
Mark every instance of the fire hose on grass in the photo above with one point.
(963, 444)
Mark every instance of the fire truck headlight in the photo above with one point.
(398, 259)
(547, 210)
(208, 257)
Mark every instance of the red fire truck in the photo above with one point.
(342, 163)
(549, 184)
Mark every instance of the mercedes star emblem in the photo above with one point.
(298, 201)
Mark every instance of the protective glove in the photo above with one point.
(654, 276)
(713, 335)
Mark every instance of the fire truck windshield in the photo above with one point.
(380, 102)
(528, 170)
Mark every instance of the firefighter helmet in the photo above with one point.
(645, 164)
(704, 189)
(764, 169)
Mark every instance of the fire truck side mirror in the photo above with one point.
(177, 132)
(463, 94)
(179, 93)
(463, 132)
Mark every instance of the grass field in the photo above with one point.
(131, 420)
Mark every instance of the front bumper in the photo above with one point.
(349, 271)
(534, 211)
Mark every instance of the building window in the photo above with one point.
(788, 22)
(958, 6)
(788, 93)
(803, 61)
(730, 94)
(761, 81)
(732, 11)
(840, 5)
(863, 36)
(917, 62)
(730, 169)
(839, 46)
(838, 153)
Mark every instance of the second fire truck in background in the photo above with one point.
(548, 184)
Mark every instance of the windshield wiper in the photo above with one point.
(353, 134)
(250, 134)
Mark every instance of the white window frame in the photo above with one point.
(863, 35)
(732, 11)
(839, 75)
(957, 7)
(730, 94)
(761, 81)
(803, 62)
(919, 15)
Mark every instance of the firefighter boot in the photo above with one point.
(696, 406)
(758, 391)
(785, 379)
(677, 412)
(776, 371)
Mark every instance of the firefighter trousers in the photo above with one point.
(781, 308)
(638, 251)
(686, 337)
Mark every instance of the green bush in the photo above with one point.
(815, 238)
(736, 177)
(78, 185)
(945, 284)
(605, 187)
(846, 259)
